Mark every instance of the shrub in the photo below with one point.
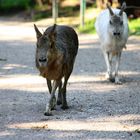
(12, 5)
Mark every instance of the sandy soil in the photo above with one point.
(99, 110)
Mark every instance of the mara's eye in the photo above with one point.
(121, 23)
(110, 22)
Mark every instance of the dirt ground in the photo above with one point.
(99, 110)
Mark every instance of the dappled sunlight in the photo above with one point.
(131, 73)
(131, 48)
(11, 66)
(11, 33)
(114, 123)
(94, 77)
(89, 43)
(6, 133)
(34, 83)
(23, 82)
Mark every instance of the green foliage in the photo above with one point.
(88, 27)
(134, 27)
(11, 4)
(68, 11)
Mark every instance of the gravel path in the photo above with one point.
(99, 110)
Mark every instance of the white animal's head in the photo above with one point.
(116, 25)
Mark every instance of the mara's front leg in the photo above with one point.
(118, 57)
(52, 101)
(68, 71)
(49, 85)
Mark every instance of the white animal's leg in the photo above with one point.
(118, 56)
(52, 101)
(109, 73)
(110, 62)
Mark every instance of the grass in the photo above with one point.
(88, 27)
(134, 27)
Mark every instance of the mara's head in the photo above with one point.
(116, 25)
(44, 46)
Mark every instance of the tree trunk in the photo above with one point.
(39, 2)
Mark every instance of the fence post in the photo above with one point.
(82, 12)
(55, 10)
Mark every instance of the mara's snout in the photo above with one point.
(42, 61)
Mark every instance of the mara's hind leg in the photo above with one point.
(59, 98)
(64, 100)
(68, 72)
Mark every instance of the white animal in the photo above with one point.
(112, 28)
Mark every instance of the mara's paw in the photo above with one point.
(118, 82)
(64, 107)
(59, 102)
(53, 108)
(47, 113)
(112, 79)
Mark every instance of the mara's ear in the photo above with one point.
(53, 34)
(122, 8)
(38, 33)
(110, 10)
